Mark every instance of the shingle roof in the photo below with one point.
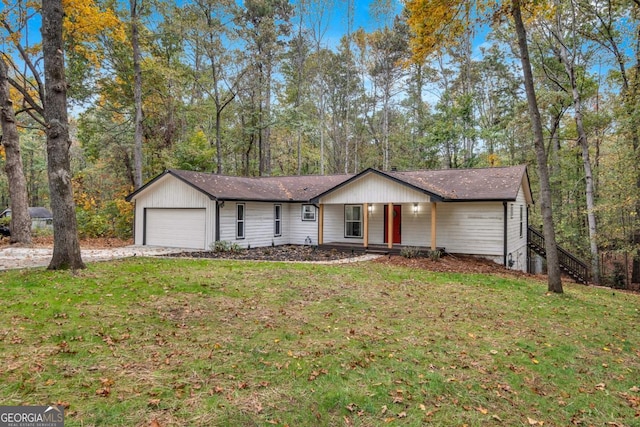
(34, 212)
(500, 183)
(283, 188)
(445, 184)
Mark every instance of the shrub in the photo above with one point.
(222, 246)
(410, 252)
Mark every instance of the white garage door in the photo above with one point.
(177, 228)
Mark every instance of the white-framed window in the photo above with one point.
(240, 220)
(521, 221)
(353, 221)
(277, 220)
(308, 213)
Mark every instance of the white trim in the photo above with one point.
(241, 222)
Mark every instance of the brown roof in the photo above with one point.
(446, 184)
(467, 184)
(280, 188)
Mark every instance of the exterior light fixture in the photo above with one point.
(370, 209)
(415, 208)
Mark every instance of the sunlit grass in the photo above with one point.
(201, 343)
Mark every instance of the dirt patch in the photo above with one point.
(453, 264)
(275, 253)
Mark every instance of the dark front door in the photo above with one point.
(397, 223)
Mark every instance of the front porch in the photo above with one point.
(380, 227)
(382, 249)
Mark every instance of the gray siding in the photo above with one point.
(260, 227)
(517, 242)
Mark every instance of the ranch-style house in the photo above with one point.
(480, 212)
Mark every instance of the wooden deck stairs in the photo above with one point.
(571, 265)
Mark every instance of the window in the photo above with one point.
(521, 221)
(308, 213)
(277, 220)
(240, 221)
(353, 220)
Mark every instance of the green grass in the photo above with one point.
(203, 343)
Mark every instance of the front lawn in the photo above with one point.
(228, 343)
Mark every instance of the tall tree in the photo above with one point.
(553, 264)
(434, 23)
(568, 52)
(66, 247)
(134, 7)
(623, 46)
(264, 23)
(20, 225)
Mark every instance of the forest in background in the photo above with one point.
(266, 88)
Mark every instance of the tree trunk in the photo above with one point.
(137, 95)
(553, 265)
(20, 225)
(588, 174)
(66, 247)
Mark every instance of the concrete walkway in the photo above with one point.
(21, 257)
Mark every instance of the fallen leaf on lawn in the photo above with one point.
(402, 415)
(600, 386)
(635, 389)
(383, 410)
(482, 410)
(422, 407)
(155, 423)
(533, 422)
(104, 392)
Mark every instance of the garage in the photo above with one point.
(179, 228)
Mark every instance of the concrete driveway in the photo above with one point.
(20, 257)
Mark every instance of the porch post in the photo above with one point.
(433, 226)
(365, 237)
(320, 224)
(390, 225)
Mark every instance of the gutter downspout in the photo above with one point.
(504, 261)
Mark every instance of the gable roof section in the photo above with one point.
(486, 184)
(457, 185)
(265, 189)
(449, 185)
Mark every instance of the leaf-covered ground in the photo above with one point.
(177, 342)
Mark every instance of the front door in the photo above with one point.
(397, 224)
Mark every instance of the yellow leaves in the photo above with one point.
(434, 23)
(85, 22)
